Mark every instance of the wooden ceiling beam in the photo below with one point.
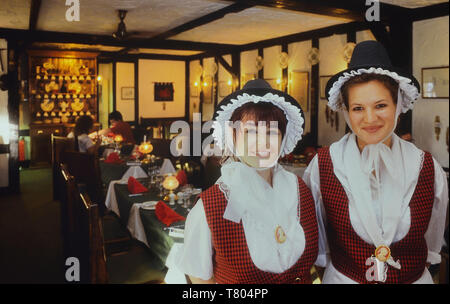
(59, 37)
(349, 9)
(34, 14)
(233, 8)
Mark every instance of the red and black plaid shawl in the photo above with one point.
(349, 252)
(232, 261)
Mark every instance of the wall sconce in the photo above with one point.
(437, 126)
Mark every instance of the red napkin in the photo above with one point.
(135, 187)
(113, 158)
(110, 134)
(182, 178)
(166, 215)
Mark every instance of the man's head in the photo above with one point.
(114, 117)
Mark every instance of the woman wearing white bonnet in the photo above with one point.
(381, 202)
(257, 224)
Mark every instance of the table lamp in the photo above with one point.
(171, 183)
(146, 148)
(117, 139)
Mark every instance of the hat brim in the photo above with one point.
(399, 71)
(258, 92)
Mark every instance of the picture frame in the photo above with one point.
(208, 89)
(299, 88)
(435, 82)
(323, 84)
(127, 93)
(224, 88)
(163, 91)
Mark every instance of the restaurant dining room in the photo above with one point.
(113, 167)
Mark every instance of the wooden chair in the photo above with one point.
(60, 144)
(67, 198)
(86, 170)
(137, 266)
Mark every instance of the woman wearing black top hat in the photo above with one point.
(257, 224)
(381, 201)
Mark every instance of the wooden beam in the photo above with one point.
(115, 56)
(428, 12)
(234, 8)
(226, 66)
(34, 14)
(302, 36)
(349, 9)
(60, 37)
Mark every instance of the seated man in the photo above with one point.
(118, 126)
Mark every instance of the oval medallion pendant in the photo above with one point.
(382, 253)
(280, 235)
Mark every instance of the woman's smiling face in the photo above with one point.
(258, 145)
(371, 112)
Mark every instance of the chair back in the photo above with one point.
(85, 168)
(60, 144)
(89, 241)
(67, 199)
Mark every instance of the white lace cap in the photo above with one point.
(295, 120)
(409, 91)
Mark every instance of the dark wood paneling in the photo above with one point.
(315, 92)
(34, 14)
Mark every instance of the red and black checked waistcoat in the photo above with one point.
(349, 252)
(231, 259)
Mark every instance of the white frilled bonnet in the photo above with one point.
(372, 58)
(256, 91)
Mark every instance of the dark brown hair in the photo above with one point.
(261, 111)
(388, 82)
(83, 125)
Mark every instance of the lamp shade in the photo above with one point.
(145, 148)
(167, 167)
(170, 183)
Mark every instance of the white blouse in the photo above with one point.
(433, 236)
(196, 256)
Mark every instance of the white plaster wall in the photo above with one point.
(272, 69)
(125, 78)
(194, 76)
(430, 49)
(298, 62)
(4, 122)
(208, 81)
(105, 100)
(364, 35)
(331, 62)
(151, 71)
(248, 64)
(224, 78)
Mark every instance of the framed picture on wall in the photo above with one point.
(323, 84)
(299, 88)
(207, 89)
(435, 82)
(224, 88)
(163, 91)
(127, 93)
